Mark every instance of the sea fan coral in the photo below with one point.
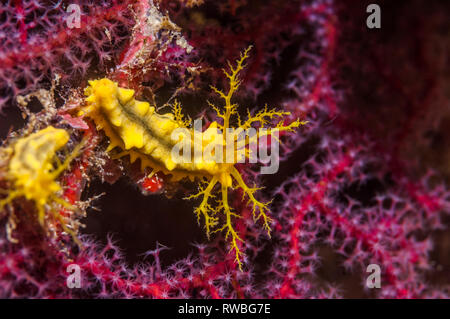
(361, 190)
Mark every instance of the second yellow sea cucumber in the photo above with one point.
(33, 176)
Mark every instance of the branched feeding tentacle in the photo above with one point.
(230, 232)
(205, 207)
(256, 205)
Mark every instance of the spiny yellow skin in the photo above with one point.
(140, 132)
(32, 172)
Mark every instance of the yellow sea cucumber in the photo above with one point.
(140, 132)
(33, 176)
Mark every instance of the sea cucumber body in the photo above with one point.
(32, 162)
(143, 134)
